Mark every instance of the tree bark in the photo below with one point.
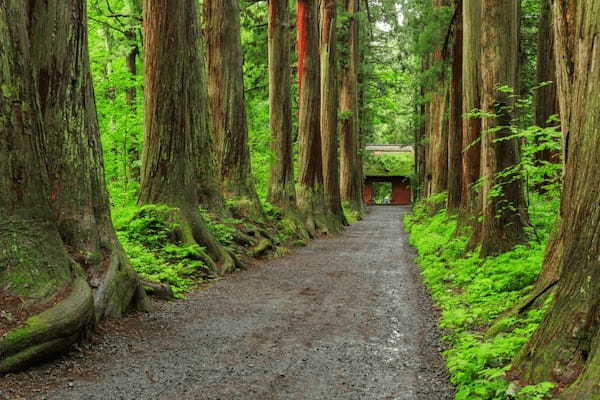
(227, 105)
(178, 160)
(282, 191)
(329, 113)
(471, 93)
(456, 120)
(55, 227)
(504, 207)
(310, 196)
(546, 102)
(350, 160)
(566, 346)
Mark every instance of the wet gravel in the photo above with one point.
(343, 318)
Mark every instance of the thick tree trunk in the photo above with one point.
(178, 160)
(350, 160)
(282, 191)
(227, 104)
(310, 196)
(546, 102)
(55, 227)
(471, 91)
(566, 346)
(504, 208)
(456, 121)
(329, 113)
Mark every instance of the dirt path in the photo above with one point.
(344, 318)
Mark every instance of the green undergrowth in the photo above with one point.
(151, 237)
(474, 293)
(154, 240)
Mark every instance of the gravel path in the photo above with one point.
(344, 318)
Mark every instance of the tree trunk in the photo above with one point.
(310, 196)
(178, 159)
(350, 160)
(329, 113)
(546, 103)
(566, 346)
(456, 120)
(227, 104)
(131, 34)
(57, 234)
(282, 191)
(471, 92)
(504, 208)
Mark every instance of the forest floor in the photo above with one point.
(346, 317)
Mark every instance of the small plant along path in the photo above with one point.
(344, 318)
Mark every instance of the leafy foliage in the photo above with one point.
(152, 238)
(474, 293)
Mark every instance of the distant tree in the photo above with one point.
(282, 191)
(351, 167)
(437, 116)
(546, 102)
(227, 104)
(455, 120)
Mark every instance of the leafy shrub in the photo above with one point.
(473, 293)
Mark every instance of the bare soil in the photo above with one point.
(346, 317)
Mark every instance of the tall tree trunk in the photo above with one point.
(504, 208)
(420, 146)
(350, 160)
(310, 195)
(57, 234)
(546, 102)
(133, 144)
(566, 346)
(471, 92)
(438, 122)
(329, 113)
(282, 191)
(228, 121)
(178, 159)
(455, 120)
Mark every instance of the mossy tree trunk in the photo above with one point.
(566, 346)
(282, 191)
(350, 159)
(329, 113)
(471, 94)
(227, 105)
(455, 122)
(59, 249)
(179, 167)
(504, 208)
(310, 192)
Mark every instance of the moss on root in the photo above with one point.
(50, 332)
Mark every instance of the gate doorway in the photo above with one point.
(393, 190)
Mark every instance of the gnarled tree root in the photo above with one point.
(51, 332)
